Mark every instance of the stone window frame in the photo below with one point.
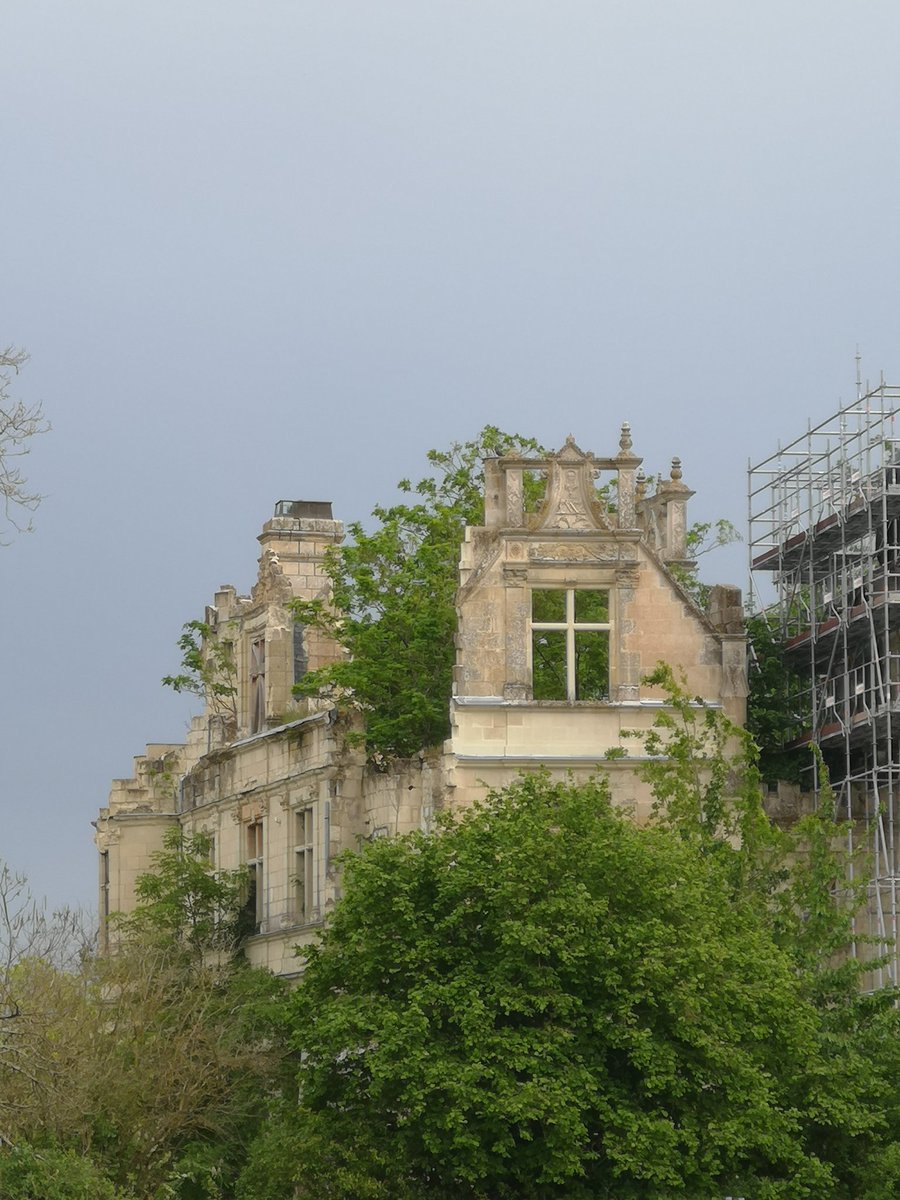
(302, 867)
(570, 627)
(254, 839)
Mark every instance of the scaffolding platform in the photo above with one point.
(824, 535)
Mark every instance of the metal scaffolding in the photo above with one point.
(824, 521)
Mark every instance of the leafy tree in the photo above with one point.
(808, 885)
(546, 1000)
(702, 538)
(706, 784)
(48, 1173)
(157, 1069)
(270, 1170)
(184, 902)
(28, 935)
(19, 423)
(208, 669)
(543, 999)
(392, 607)
(772, 716)
(153, 1065)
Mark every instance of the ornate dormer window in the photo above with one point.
(570, 632)
(545, 593)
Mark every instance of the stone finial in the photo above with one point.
(625, 458)
(641, 489)
(674, 485)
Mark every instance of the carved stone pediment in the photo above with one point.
(571, 503)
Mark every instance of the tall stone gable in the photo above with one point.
(574, 530)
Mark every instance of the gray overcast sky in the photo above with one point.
(278, 249)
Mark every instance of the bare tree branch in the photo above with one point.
(19, 423)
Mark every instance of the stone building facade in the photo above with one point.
(568, 595)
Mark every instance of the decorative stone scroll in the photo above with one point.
(573, 552)
(272, 586)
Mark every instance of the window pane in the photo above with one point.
(591, 608)
(251, 914)
(301, 886)
(548, 606)
(591, 666)
(549, 674)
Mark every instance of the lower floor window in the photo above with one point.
(255, 904)
(304, 894)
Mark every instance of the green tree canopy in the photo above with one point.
(208, 669)
(776, 703)
(393, 607)
(184, 902)
(545, 999)
(148, 1070)
(49, 1173)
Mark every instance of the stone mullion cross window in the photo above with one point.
(570, 644)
